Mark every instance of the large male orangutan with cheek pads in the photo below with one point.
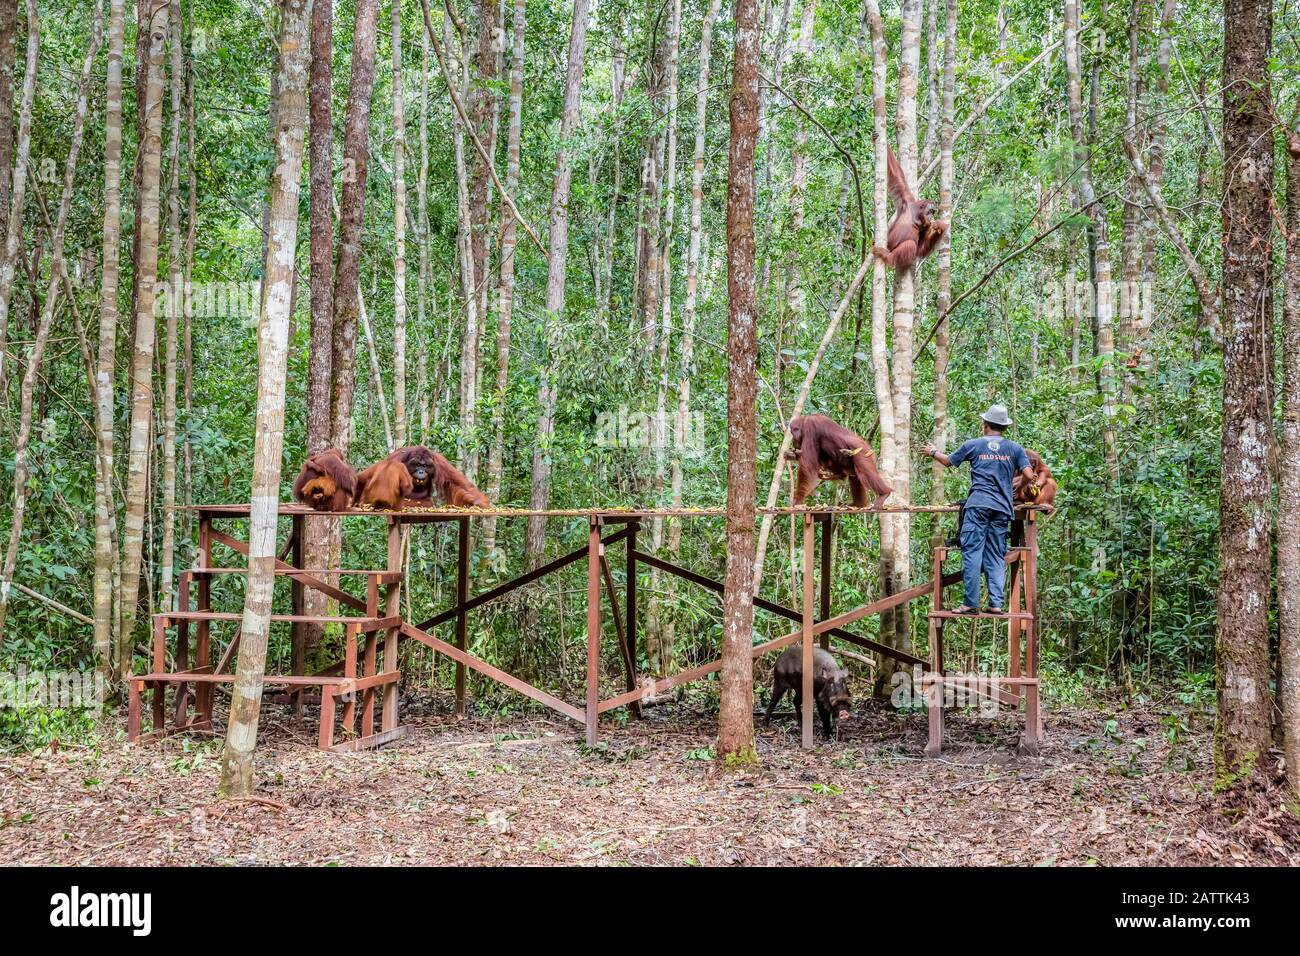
(326, 482)
(827, 450)
(430, 471)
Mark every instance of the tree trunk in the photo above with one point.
(105, 372)
(482, 110)
(14, 221)
(153, 22)
(1101, 242)
(879, 330)
(272, 340)
(399, 235)
(904, 337)
(660, 650)
(943, 256)
(422, 219)
(506, 289)
(352, 208)
(736, 706)
(175, 303)
(42, 332)
(683, 436)
(191, 226)
(1288, 517)
(469, 357)
(540, 494)
(8, 58)
(1243, 732)
(321, 535)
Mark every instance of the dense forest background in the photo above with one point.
(456, 345)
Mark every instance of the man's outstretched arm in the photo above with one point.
(938, 456)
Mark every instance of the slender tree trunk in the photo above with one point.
(736, 706)
(618, 70)
(905, 282)
(347, 267)
(659, 650)
(1156, 154)
(1129, 304)
(191, 226)
(1101, 242)
(105, 371)
(1243, 733)
(154, 17)
(187, 336)
(506, 289)
(482, 110)
(764, 136)
(14, 233)
(321, 535)
(943, 254)
(422, 218)
(879, 329)
(1288, 517)
(792, 306)
(932, 80)
(8, 58)
(466, 445)
(399, 234)
(540, 494)
(237, 771)
(42, 332)
(683, 436)
(175, 304)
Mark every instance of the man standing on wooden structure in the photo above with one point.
(994, 462)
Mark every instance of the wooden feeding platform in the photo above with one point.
(364, 679)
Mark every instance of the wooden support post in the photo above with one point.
(630, 603)
(392, 608)
(298, 663)
(806, 692)
(326, 739)
(462, 619)
(1030, 742)
(368, 695)
(932, 686)
(182, 648)
(351, 636)
(592, 714)
(203, 629)
(1015, 628)
(824, 584)
(133, 710)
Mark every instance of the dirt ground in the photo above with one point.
(1111, 788)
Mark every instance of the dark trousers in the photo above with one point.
(983, 536)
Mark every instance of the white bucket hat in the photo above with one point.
(997, 415)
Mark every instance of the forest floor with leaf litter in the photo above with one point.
(1111, 788)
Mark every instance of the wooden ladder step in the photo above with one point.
(1004, 616)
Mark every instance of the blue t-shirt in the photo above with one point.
(994, 461)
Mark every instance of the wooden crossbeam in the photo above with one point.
(836, 623)
(514, 583)
(301, 577)
(495, 673)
